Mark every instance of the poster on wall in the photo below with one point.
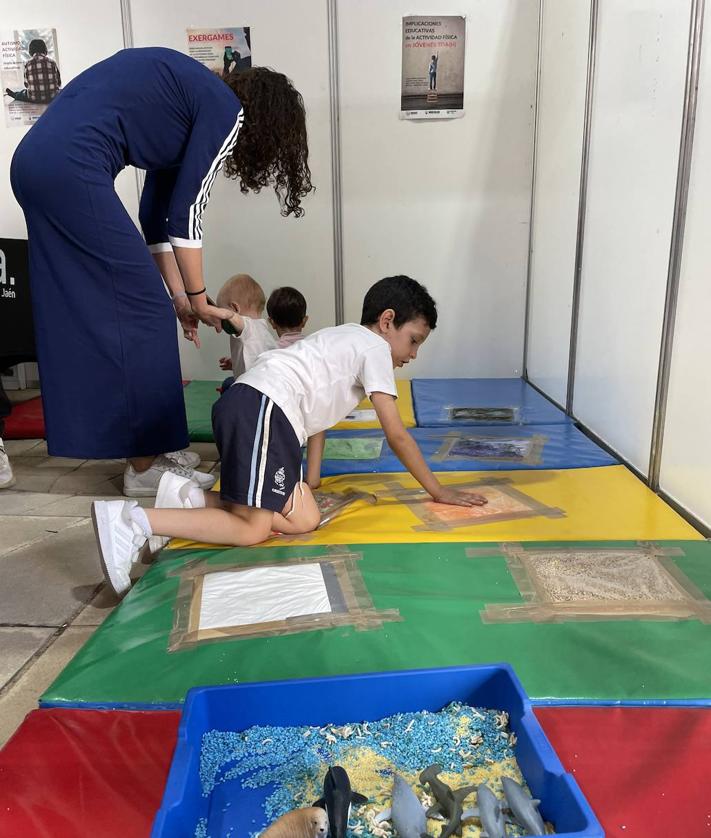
(29, 72)
(221, 50)
(432, 67)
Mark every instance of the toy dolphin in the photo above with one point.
(523, 807)
(449, 801)
(299, 823)
(337, 799)
(490, 813)
(407, 813)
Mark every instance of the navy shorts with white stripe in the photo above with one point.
(260, 453)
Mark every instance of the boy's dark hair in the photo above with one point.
(406, 297)
(287, 307)
(37, 46)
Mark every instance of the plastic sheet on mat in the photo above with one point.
(481, 401)
(199, 398)
(403, 606)
(467, 449)
(591, 503)
(644, 770)
(363, 417)
(79, 773)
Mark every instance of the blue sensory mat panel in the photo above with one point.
(467, 449)
(481, 401)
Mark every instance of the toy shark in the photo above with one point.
(489, 812)
(523, 807)
(337, 799)
(449, 801)
(407, 813)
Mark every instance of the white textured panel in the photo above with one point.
(686, 455)
(561, 111)
(446, 202)
(246, 234)
(636, 125)
(77, 50)
(262, 595)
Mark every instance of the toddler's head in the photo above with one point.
(286, 308)
(243, 295)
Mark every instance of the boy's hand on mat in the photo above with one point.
(454, 498)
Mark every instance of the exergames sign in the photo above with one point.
(221, 50)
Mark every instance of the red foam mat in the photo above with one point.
(81, 773)
(26, 420)
(646, 771)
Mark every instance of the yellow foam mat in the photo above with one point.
(404, 405)
(569, 505)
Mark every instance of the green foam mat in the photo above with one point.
(199, 398)
(593, 621)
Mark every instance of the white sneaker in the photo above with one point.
(188, 459)
(7, 478)
(144, 484)
(173, 493)
(119, 539)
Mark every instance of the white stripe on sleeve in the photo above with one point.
(198, 207)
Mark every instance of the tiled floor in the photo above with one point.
(51, 592)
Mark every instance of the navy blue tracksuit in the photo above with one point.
(105, 328)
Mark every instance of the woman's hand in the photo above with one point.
(187, 319)
(209, 314)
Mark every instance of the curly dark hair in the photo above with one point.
(272, 149)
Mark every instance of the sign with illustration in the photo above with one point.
(29, 72)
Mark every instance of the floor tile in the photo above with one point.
(52, 578)
(19, 530)
(17, 645)
(29, 503)
(22, 696)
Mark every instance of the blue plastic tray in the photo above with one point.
(317, 701)
(552, 447)
(446, 401)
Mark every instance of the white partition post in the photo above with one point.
(246, 233)
(78, 49)
(685, 457)
(445, 201)
(636, 128)
(561, 109)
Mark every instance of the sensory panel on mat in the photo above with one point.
(644, 770)
(481, 401)
(467, 449)
(403, 606)
(591, 503)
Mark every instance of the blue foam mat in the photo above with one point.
(470, 401)
(478, 449)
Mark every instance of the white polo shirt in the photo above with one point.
(320, 379)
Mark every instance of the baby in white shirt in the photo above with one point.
(245, 297)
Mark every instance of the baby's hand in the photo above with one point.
(454, 498)
(225, 363)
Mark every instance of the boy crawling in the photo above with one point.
(261, 423)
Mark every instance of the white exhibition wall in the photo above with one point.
(72, 20)
(444, 201)
(634, 151)
(561, 111)
(246, 233)
(686, 456)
